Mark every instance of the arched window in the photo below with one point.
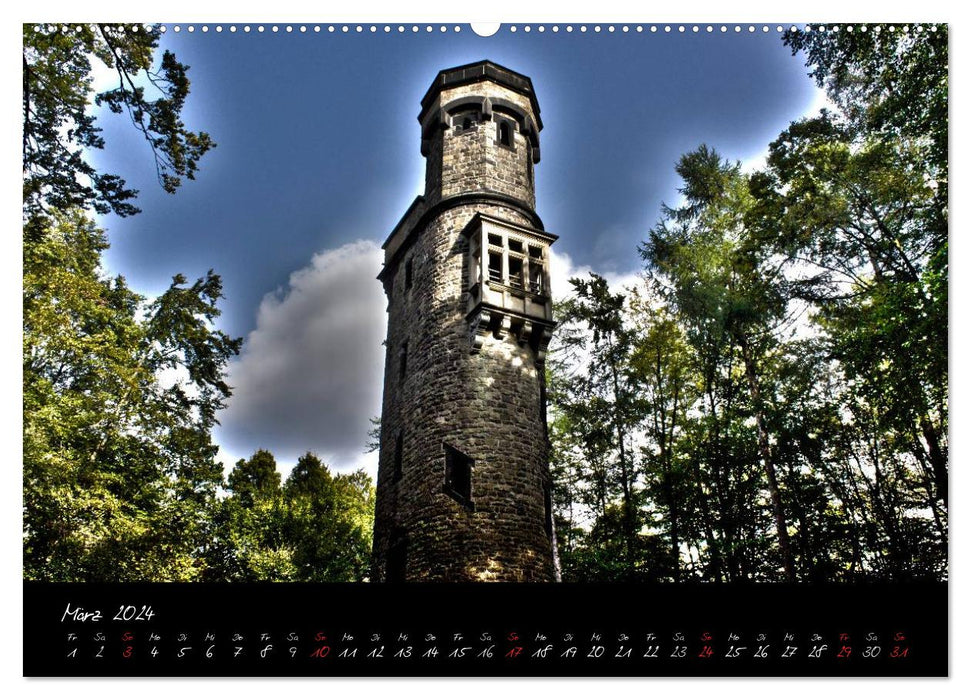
(505, 134)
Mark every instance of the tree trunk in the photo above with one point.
(557, 565)
(765, 451)
(629, 530)
(937, 457)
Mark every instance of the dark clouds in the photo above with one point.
(310, 374)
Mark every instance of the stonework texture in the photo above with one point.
(489, 404)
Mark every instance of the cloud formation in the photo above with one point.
(311, 372)
(562, 269)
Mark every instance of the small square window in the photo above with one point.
(495, 239)
(515, 246)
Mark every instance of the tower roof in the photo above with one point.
(478, 71)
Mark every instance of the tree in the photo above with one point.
(119, 466)
(329, 521)
(250, 539)
(715, 275)
(59, 132)
(315, 527)
(255, 478)
(663, 373)
(889, 81)
(860, 199)
(120, 395)
(603, 392)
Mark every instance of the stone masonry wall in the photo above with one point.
(486, 405)
(473, 160)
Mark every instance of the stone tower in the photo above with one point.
(463, 488)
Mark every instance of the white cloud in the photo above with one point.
(753, 163)
(562, 269)
(310, 374)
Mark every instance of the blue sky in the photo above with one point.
(318, 157)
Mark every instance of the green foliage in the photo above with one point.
(119, 467)
(255, 479)
(595, 403)
(59, 131)
(859, 203)
(724, 289)
(601, 555)
(316, 527)
(785, 371)
(330, 522)
(887, 81)
(121, 481)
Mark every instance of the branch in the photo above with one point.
(123, 77)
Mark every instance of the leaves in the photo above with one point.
(121, 394)
(317, 527)
(60, 131)
(785, 369)
(118, 465)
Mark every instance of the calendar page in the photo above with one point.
(437, 349)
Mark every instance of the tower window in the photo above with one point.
(495, 267)
(515, 262)
(466, 120)
(505, 134)
(409, 270)
(458, 475)
(515, 271)
(535, 277)
(402, 361)
(398, 451)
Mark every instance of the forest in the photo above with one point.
(769, 403)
